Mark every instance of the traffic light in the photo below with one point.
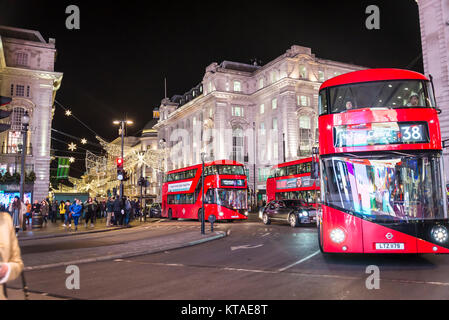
(4, 113)
(120, 171)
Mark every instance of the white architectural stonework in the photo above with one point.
(248, 113)
(27, 76)
(434, 22)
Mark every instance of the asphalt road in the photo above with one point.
(253, 262)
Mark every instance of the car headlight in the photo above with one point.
(337, 235)
(304, 213)
(439, 234)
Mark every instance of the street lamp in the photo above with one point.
(25, 122)
(122, 130)
(162, 145)
(203, 155)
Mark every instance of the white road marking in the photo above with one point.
(246, 246)
(299, 274)
(299, 261)
(266, 234)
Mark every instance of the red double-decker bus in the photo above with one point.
(225, 192)
(381, 171)
(292, 180)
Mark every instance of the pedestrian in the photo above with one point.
(67, 215)
(11, 264)
(90, 213)
(128, 209)
(75, 211)
(54, 210)
(62, 212)
(109, 211)
(44, 211)
(18, 211)
(35, 210)
(117, 206)
(28, 212)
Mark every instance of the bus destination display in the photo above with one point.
(380, 134)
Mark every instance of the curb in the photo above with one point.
(218, 235)
(59, 235)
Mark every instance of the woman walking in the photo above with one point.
(17, 209)
(11, 264)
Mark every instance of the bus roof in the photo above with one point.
(285, 164)
(211, 163)
(372, 75)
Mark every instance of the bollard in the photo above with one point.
(211, 220)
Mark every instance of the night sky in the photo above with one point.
(116, 63)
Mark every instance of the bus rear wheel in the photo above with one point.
(200, 212)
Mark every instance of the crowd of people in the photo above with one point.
(116, 212)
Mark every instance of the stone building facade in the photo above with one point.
(434, 23)
(258, 115)
(27, 75)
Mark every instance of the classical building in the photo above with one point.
(258, 115)
(27, 76)
(434, 22)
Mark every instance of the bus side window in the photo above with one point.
(291, 170)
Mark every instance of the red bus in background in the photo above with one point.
(225, 192)
(381, 171)
(292, 180)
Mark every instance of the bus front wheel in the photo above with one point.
(320, 244)
(200, 213)
(170, 215)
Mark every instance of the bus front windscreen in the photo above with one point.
(229, 198)
(398, 187)
(381, 94)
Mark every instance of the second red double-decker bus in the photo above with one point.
(381, 167)
(292, 180)
(225, 192)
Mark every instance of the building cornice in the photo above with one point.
(39, 74)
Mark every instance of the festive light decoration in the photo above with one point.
(71, 159)
(72, 146)
(83, 141)
(68, 113)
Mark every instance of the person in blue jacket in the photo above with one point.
(75, 209)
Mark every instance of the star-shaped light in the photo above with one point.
(83, 141)
(71, 159)
(68, 113)
(72, 146)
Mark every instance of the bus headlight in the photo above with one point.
(220, 214)
(439, 234)
(337, 235)
(246, 212)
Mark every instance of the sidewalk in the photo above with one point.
(51, 230)
(59, 258)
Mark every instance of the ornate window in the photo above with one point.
(237, 143)
(237, 86)
(22, 59)
(305, 136)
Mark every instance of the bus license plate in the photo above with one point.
(389, 246)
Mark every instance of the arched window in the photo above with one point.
(237, 143)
